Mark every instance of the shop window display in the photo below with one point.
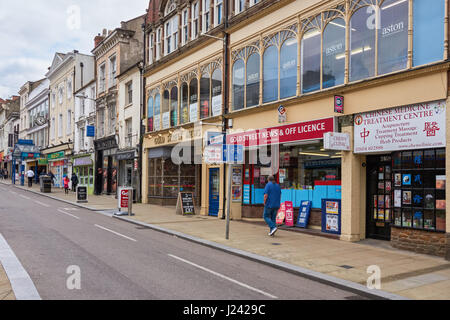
(184, 118)
(174, 107)
(150, 114)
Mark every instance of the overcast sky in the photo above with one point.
(31, 31)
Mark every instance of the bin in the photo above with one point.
(46, 184)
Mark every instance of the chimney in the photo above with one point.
(98, 39)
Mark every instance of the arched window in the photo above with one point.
(238, 84)
(166, 110)
(311, 61)
(216, 101)
(193, 100)
(157, 120)
(174, 106)
(270, 74)
(170, 6)
(333, 70)
(252, 85)
(205, 93)
(150, 114)
(393, 36)
(428, 31)
(288, 68)
(362, 43)
(184, 117)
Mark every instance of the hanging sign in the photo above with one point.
(419, 126)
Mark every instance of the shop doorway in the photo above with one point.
(379, 197)
(214, 192)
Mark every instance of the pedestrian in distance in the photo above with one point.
(30, 175)
(66, 184)
(74, 182)
(272, 203)
(52, 176)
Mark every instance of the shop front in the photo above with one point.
(406, 175)
(106, 166)
(59, 165)
(295, 155)
(83, 166)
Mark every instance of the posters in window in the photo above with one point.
(440, 182)
(166, 120)
(157, 122)
(398, 180)
(193, 112)
(407, 197)
(217, 105)
(398, 198)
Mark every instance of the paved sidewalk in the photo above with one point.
(411, 275)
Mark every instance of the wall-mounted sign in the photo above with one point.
(336, 141)
(90, 131)
(419, 126)
(339, 104)
(282, 114)
(56, 155)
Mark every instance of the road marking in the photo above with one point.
(13, 192)
(21, 282)
(42, 204)
(25, 197)
(116, 233)
(224, 277)
(70, 215)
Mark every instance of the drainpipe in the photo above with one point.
(225, 98)
(141, 118)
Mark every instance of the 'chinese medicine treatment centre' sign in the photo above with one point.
(418, 126)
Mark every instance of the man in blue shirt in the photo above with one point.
(272, 202)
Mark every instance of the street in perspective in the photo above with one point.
(224, 155)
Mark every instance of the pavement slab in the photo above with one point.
(6, 292)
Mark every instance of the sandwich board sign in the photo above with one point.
(185, 204)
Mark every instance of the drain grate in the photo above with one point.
(276, 244)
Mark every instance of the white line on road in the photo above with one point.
(13, 192)
(116, 233)
(224, 277)
(21, 282)
(25, 197)
(42, 204)
(70, 215)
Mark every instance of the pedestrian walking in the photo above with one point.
(74, 182)
(272, 203)
(52, 176)
(66, 184)
(30, 176)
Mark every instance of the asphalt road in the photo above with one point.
(121, 261)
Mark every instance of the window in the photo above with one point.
(206, 16)
(60, 125)
(362, 44)
(69, 122)
(311, 61)
(193, 100)
(174, 106)
(239, 6)
(216, 100)
(82, 135)
(82, 107)
(102, 82)
(113, 71)
(428, 31)
(171, 34)
(129, 132)
(270, 74)
(158, 44)
(195, 21)
(252, 84)
(69, 88)
(393, 36)
(150, 114)
(129, 87)
(53, 99)
(112, 113)
(61, 94)
(151, 45)
(101, 123)
(218, 11)
(333, 69)
(238, 84)
(184, 103)
(205, 92)
(157, 120)
(288, 68)
(53, 129)
(170, 6)
(185, 27)
(166, 110)
(253, 2)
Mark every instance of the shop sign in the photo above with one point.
(336, 141)
(419, 126)
(125, 156)
(90, 131)
(303, 131)
(56, 155)
(339, 104)
(42, 162)
(282, 114)
(80, 162)
(213, 154)
(58, 163)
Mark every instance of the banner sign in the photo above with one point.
(418, 126)
(305, 212)
(284, 134)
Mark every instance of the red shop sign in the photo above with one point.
(284, 134)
